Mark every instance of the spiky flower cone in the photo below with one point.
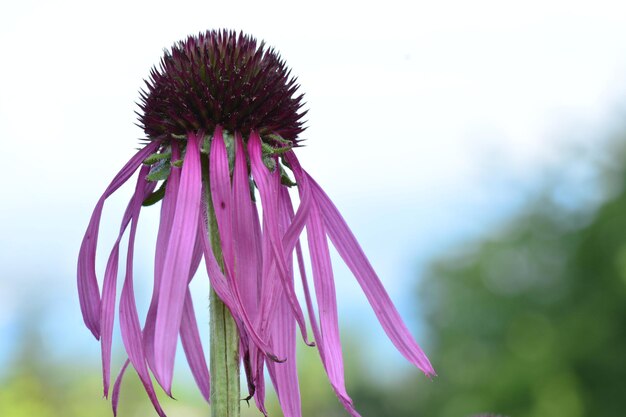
(219, 78)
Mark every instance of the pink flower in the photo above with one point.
(222, 120)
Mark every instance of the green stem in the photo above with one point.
(224, 339)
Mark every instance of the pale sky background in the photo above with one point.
(428, 122)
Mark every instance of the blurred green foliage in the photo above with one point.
(529, 321)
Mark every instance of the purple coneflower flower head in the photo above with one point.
(222, 118)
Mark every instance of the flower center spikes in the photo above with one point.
(221, 78)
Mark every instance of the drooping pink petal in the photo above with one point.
(338, 386)
(352, 254)
(219, 282)
(130, 326)
(246, 238)
(223, 205)
(291, 238)
(291, 227)
(259, 384)
(333, 363)
(190, 336)
(107, 315)
(221, 197)
(168, 207)
(216, 276)
(88, 292)
(327, 337)
(329, 343)
(258, 237)
(283, 332)
(285, 375)
(268, 185)
(273, 300)
(256, 356)
(272, 294)
(115, 397)
(224, 291)
(248, 252)
(221, 286)
(298, 220)
(177, 264)
(192, 346)
(270, 287)
(244, 357)
(301, 267)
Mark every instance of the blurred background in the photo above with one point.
(477, 149)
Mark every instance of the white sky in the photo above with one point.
(416, 108)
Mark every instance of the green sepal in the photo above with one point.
(159, 171)
(269, 162)
(229, 143)
(286, 181)
(284, 177)
(206, 144)
(156, 196)
(270, 150)
(156, 157)
(178, 163)
(279, 139)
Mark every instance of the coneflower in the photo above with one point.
(222, 117)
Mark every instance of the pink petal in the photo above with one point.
(259, 382)
(298, 220)
(129, 324)
(302, 270)
(223, 290)
(115, 398)
(88, 292)
(355, 259)
(246, 234)
(328, 340)
(216, 277)
(168, 207)
(248, 249)
(190, 336)
(221, 196)
(222, 203)
(284, 375)
(268, 185)
(291, 226)
(190, 339)
(177, 264)
(338, 387)
(220, 284)
(283, 333)
(291, 238)
(257, 358)
(107, 316)
(244, 356)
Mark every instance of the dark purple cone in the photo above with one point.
(219, 77)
